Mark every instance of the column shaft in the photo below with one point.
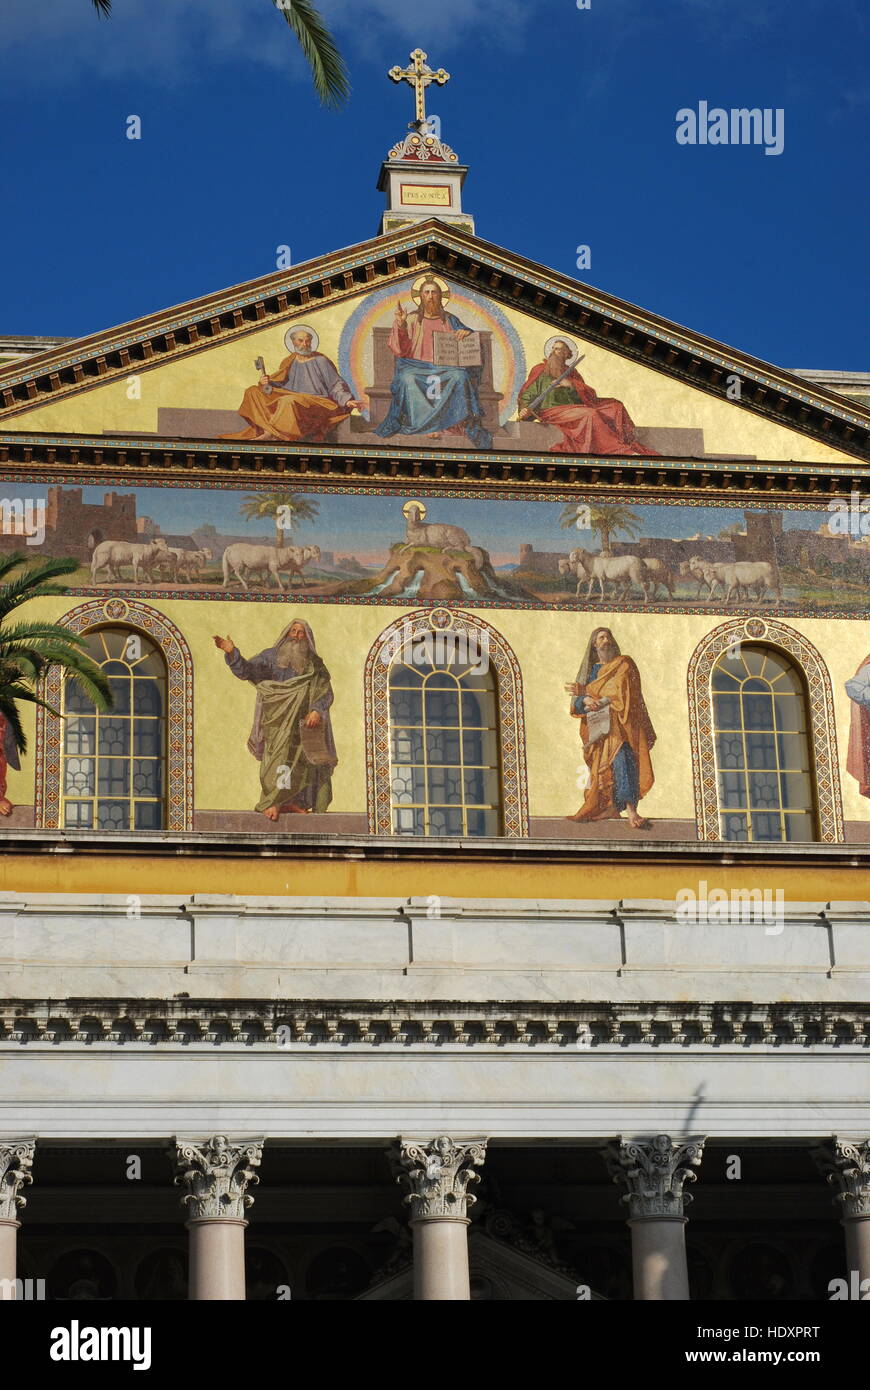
(857, 1230)
(8, 1255)
(658, 1258)
(217, 1259)
(216, 1174)
(438, 1175)
(441, 1259)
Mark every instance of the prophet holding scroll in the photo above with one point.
(615, 730)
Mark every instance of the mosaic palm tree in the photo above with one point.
(604, 521)
(286, 508)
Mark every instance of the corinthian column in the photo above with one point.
(655, 1172)
(438, 1176)
(16, 1160)
(846, 1165)
(216, 1174)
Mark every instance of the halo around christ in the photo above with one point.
(417, 288)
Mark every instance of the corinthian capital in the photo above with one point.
(846, 1165)
(16, 1160)
(655, 1172)
(439, 1174)
(216, 1174)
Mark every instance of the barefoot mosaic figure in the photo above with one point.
(615, 730)
(294, 695)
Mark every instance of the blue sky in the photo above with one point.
(567, 118)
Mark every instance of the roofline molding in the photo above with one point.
(143, 344)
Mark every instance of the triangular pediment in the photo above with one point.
(648, 388)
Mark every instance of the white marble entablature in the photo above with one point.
(65, 946)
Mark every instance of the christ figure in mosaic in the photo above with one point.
(427, 398)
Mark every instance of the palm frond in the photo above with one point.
(9, 710)
(102, 7)
(34, 582)
(28, 649)
(88, 676)
(328, 70)
(9, 696)
(24, 665)
(568, 516)
(10, 561)
(267, 504)
(34, 632)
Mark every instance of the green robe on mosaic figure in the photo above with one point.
(284, 699)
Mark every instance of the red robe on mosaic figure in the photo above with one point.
(590, 424)
(858, 756)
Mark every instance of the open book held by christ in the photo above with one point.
(451, 351)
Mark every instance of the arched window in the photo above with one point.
(132, 767)
(763, 761)
(114, 762)
(445, 753)
(444, 758)
(764, 750)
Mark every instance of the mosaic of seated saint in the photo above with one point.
(303, 400)
(556, 394)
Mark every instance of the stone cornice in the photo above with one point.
(139, 459)
(438, 1025)
(553, 298)
(408, 849)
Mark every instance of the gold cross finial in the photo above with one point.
(419, 77)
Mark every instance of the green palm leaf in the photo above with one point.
(9, 710)
(29, 648)
(605, 521)
(328, 70)
(31, 583)
(9, 695)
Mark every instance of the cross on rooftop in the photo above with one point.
(419, 76)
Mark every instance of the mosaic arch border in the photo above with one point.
(515, 811)
(822, 728)
(179, 669)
